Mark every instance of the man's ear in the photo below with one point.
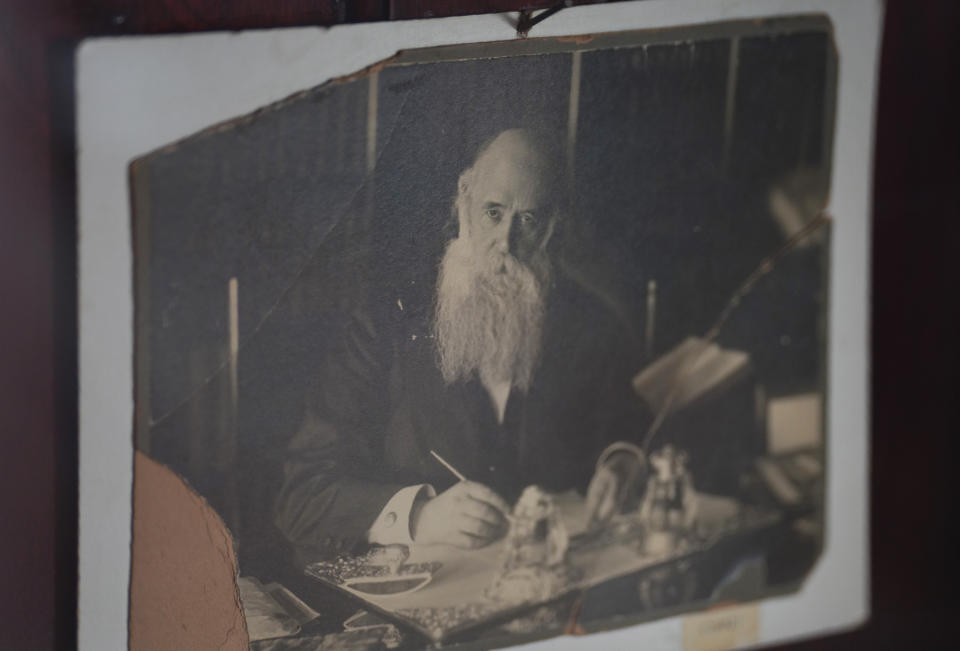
(463, 185)
(463, 201)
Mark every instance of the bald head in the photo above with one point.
(518, 151)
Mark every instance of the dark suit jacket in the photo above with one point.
(380, 404)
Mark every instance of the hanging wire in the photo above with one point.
(527, 20)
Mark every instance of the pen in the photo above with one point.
(456, 473)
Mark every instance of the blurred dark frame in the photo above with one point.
(915, 311)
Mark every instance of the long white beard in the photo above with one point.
(489, 322)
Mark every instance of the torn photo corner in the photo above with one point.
(593, 272)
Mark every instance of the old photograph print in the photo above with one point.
(491, 343)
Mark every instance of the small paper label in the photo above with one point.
(721, 629)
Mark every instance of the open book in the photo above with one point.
(691, 370)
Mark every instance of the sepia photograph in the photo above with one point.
(489, 343)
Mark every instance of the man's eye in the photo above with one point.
(494, 214)
(528, 219)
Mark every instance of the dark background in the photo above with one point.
(914, 376)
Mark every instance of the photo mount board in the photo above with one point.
(121, 116)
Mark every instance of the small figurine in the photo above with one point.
(669, 506)
(534, 564)
(537, 534)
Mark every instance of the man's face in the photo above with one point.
(508, 206)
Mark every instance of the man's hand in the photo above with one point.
(610, 486)
(467, 515)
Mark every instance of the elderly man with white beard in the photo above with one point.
(519, 378)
